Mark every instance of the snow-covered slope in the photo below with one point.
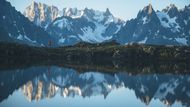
(84, 25)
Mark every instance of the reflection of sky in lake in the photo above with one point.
(122, 97)
(94, 89)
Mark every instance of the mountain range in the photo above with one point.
(43, 24)
(70, 25)
(170, 26)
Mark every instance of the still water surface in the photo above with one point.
(58, 86)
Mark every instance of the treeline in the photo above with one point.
(97, 52)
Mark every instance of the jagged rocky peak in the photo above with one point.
(30, 11)
(187, 7)
(168, 27)
(41, 14)
(170, 7)
(88, 12)
(34, 4)
(186, 11)
(55, 12)
(147, 15)
(107, 13)
(72, 12)
(148, 9)
(171, 10)
(146, 99)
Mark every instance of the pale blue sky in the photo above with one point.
(124, 9)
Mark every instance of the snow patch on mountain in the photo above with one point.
(68, 39)
(96, 90)
(61, 40)
(9, 34)
(72, 12)
(118, 28)
(110, 19)
(182, 41)
(97, 77)
(99, 16)
(28, 39)
(63, 23)
(143, 41)
(185, 21)
(20, 37)
(78, 15)
(76, 90)
(135, 35)
(4, 17)
(145, 20)
(59, 80)
(168, 89)
(168, 22)
(142, 89)
(92, 36)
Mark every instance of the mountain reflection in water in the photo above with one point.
(41, 83)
